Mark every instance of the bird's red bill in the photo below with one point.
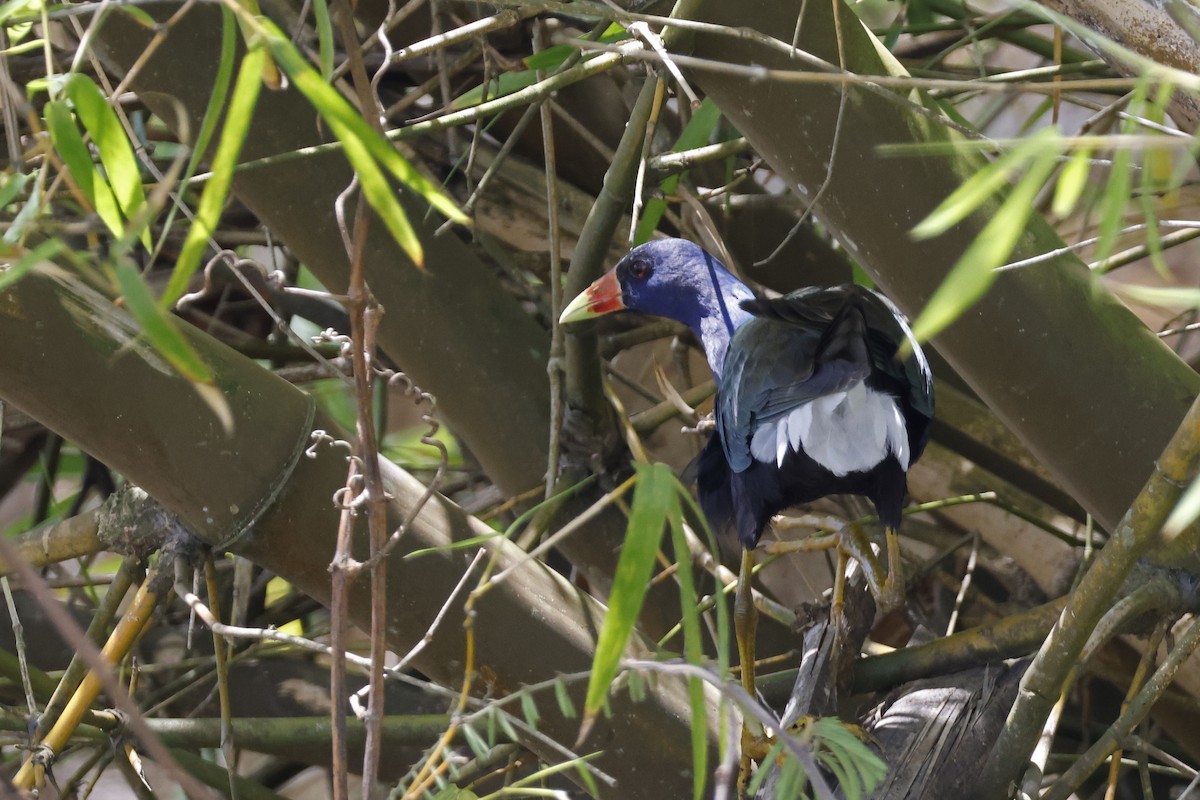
(602, 297)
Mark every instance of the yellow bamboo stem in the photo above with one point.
(123, 637)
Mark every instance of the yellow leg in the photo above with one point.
(893, 590)
(745, 625)
(745, 621)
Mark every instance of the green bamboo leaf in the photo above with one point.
(549, 58)
(724, 629)
(563, 697)
(349, 126)
(12, 187)
(69, 144)
(652, 502)
(696, 134)
(693, 649)
(976, 190)
(760, 775)
(1172, 296)
(25, 264)
(1114, 202)
(116, 153)
(1071, 182)
(159, 327)
(504, 84)
(974, 272)
(27, 214)
(212, 200)
(219, 93)
(478, 746)
(1154, 246)
(529, 710)
(324, 38)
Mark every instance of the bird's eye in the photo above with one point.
(641, 270)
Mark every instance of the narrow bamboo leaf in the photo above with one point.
(349, 125)
(636, 686)
(1071, 182)
(549, 58)
(478, 746)
(159, 327)
(69, 144)
(12, 186)
(25, 264)
(760, 775)
(652, 501)
(724, 631)
(504, 84)
(974, 272)
(585, 777)
(693, 648)
(973, 192)
(1114, 202)
(563, 697)
(529, 710)
(216, 190)
(1154, 246)
(324, 38)
(12, 7)
(27, 214)
(220, 90)
(116, 153)
(139, 16)
(1173, 296)
(506, 726)
(697, 133)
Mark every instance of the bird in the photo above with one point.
(821, 391)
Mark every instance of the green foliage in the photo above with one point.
(208, 213)
(696, 134)
(542, 61)
(836, 747)
(116, 153)
(974, 272)
(653, 501)
(368, 152)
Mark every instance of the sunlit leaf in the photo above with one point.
(693, 648)
(27, 214)
(216, 190)
(324, 38)
(25, 264)
(1072, 180)
(653, 500)
(1114, 202)
(976, 190)
(159, 327)
(364, 148)
(697, 133)
(974, 271)
(78, 159)
(116, 153)
(1171, 296)
(12, 186)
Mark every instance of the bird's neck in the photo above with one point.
(720, 316)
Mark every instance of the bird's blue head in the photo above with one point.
(671, 278)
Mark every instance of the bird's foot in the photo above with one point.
(756, 746)
(893, 588)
